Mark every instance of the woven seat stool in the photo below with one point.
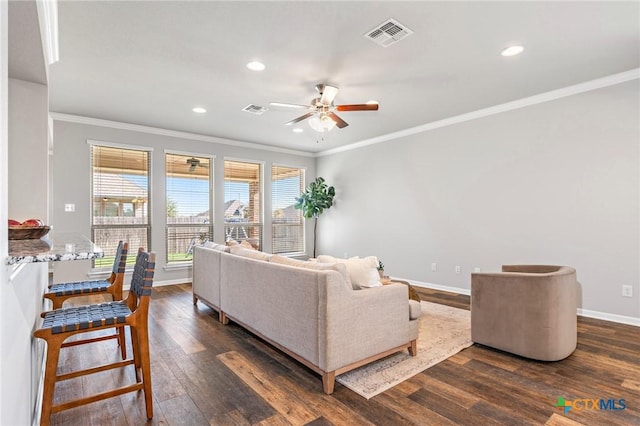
(60, 292)
(60, 324)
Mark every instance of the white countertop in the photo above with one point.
(55, 247)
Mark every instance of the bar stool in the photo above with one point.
(60, 292)
(60, 324)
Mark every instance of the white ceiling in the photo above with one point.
(149, 63)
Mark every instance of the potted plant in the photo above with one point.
(380, 269)
(316, 198)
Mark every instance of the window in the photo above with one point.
(288, 223)
(120, 197)
(242, 202)
(189, 200)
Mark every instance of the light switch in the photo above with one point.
(69, 207)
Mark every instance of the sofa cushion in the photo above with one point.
(250, 253)
(415, 310)
(214, 246)
(338, 267)
(363, 272)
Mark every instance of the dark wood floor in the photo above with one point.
(207, 373)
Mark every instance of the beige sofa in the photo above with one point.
(313, 315)
(528, 310)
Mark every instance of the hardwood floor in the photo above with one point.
(208, 373)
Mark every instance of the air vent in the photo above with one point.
(388, 33)
(254, 109)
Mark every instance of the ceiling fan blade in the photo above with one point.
(287, 105)
(339, 121)
(357, 107)
(296, 120)
(328, 93)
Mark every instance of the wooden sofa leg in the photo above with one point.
(413, 348)
(222, 317)
(195, 299)
(328, 382)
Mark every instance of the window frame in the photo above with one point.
(303, 172)
(149, 210)
(261, 223)
(211, 224)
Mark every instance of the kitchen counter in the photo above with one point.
(55, 247)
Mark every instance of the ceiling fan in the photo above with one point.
(321, 114)
(193, 163)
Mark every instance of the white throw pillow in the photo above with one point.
(250, 253)
(320, 266)
(217, 247)
(363, 272)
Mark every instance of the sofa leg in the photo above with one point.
(222, 317)
(328, 382)
(413, 348)
(195, 299)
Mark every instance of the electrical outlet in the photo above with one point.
(627, 291)
(434, 267)
(458, 270)
(69, 207)
(476, 269)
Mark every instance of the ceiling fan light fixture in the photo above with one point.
(322, 123)
(298, 130)
(199, 110)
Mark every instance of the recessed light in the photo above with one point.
(199, 110)
(256, 66)
(298, 130)
(512, 51)
(372, 102)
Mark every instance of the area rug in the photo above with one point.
(444, 331)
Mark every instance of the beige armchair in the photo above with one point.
(527, 310)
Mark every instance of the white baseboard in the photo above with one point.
(622, 319)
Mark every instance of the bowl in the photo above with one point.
(28, 232)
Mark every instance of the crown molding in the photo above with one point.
(599, 83)
(70, 118)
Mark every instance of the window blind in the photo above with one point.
(287, 222)
(188, 204)
(243, 202)
(120, 199)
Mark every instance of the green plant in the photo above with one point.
(380, 265)
(316, 198)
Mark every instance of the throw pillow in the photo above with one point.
(246, 244)
(338, 267)
(252, 254)
(363, 272)
(217, 247)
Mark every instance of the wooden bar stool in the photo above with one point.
(60, 292)
(60, 324)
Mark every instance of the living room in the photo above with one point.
(538, 162)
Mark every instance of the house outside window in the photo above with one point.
(189, 210)
(243, 202)
(120, 197)
(287, 222)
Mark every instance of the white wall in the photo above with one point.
(28, 151)
(553, 183)
(71, 177)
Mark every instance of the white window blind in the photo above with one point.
(188, 204)
(120, 197)
(287, 222)
(243, 202)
